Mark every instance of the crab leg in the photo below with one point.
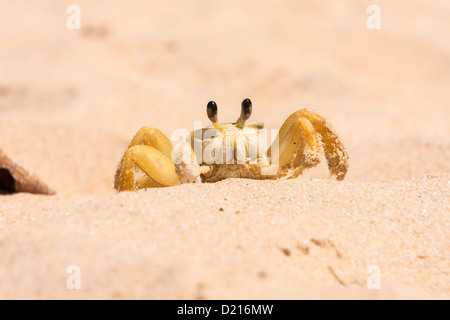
(333, 147)
(150, 150)
(299, 144)
(297, 147)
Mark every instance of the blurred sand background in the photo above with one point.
(71, 100)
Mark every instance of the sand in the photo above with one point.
(71, 100)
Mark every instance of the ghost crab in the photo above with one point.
(305, 136)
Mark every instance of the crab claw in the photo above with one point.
(186, 165)
(146, 163)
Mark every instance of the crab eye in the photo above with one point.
(246, 110)
(211, 110)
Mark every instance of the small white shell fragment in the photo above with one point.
(14, 178)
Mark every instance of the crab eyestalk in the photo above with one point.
(211, 110)
(246, 112)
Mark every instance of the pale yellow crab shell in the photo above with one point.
(207, 140)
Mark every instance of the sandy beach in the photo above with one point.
(72, 99)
